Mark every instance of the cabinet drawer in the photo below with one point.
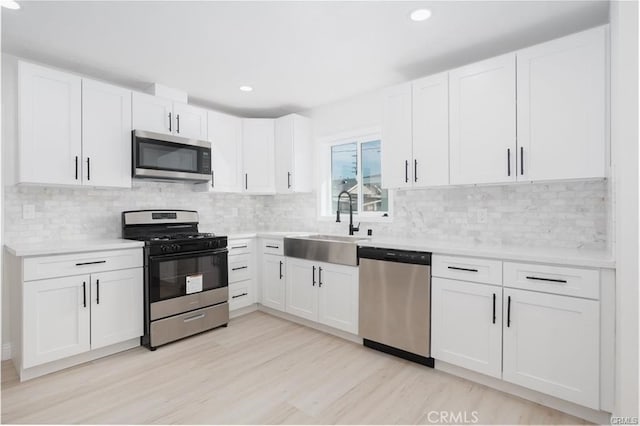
(273, 247)
(239, 268)
(194, 322)
(467, 269)
(64, 265)
(580, 282)
(239, 247)
(240, 295)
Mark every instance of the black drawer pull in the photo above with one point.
(91, 263)
(237, 247)
(239, 267)
(275, 247)
(239, 295)
(553, 280)
(462, 269)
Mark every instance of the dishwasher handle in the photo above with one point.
(392, 255)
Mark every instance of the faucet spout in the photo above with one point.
(352, 228)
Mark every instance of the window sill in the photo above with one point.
(344, 218)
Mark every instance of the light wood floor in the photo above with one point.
(259, 370)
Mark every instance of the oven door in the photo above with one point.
(160, 156)
(169, 274)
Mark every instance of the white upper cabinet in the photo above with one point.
(106, 135)
(293, 168)
(258, 137)
(225, 135)
(50, 128)
(431, 131)
(482, 121)
(156, 114)
(152, 113)
(396, 153)
(562, 108)
(190, 122)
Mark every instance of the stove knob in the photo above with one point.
(163, 248)
(175, 247)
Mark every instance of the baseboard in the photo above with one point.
(595, 416)
(243, 311)
(6, 351)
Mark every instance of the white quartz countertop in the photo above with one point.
(269, 234)
(574, 257)
(64, 247)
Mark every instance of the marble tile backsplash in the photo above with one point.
(559, 215)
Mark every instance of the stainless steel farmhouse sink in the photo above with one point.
(338, 249)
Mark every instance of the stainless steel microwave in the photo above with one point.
(168, 157)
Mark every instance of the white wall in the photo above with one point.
(624, 140)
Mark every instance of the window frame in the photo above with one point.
(324, 194)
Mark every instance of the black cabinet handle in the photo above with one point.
(91, 263)
(462, 269)
(406, 171)
(239, 295)
(288, 179)
(169, 121)
(237, 247)
(239, 268)
(509, 311)
(213, 178)
(76, 167)
(415, 170)
(553, 280)
(177, 123)
(313, 274)
(246, 181)
(521, 160)
(320, 276)
(88, 168)
(494, 308)
(281, 269)
(97, 292)
(508, 161)
(84, 293)
(275, 247)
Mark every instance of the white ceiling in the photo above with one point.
(297, 55)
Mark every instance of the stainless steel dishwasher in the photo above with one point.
(395, 302)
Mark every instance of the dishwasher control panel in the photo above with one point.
(392, 255)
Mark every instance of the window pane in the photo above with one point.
(344, 167)
(374, 198)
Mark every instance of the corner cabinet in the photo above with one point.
(71, 308)
(258, 138)
(293, 167)
(225, 135)
(482, 121)
(323, 292)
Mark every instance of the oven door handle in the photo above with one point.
(188, 254)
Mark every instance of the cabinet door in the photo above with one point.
(273, 281)
(152, 114)
(396, 137)
(431, 131)
(562, 108)
(338, 296)
(293, 169)
(225, 135)
(301, 288)
(116, 306)
(55, 317)
(552, 345)
(258, 136)
(466, 325)
(49, 126)
(106, 135)
(189, 121)
(482, 121)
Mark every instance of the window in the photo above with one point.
(354, 166)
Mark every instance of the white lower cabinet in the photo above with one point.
(116, 306)
(55, 319)
(466, 325)
(242, 292)
(323, 292)
(273, 281)
(552, 345)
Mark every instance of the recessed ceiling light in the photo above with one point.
(10, 4)
(419, 15)
(246, 88)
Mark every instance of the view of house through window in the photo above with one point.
(355, 168)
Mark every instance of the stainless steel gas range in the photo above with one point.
(186, 278)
